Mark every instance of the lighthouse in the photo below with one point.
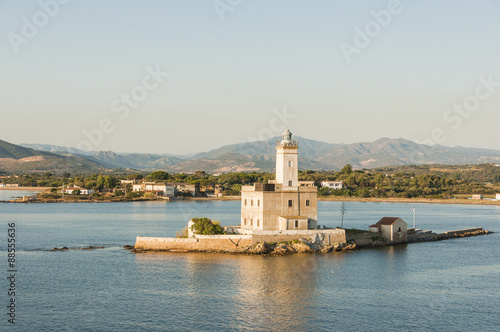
(287, 160)
(282, 204)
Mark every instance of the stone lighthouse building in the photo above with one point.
(281, 204)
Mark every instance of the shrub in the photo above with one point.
(132, 195)
(183, 233)
(205, 226)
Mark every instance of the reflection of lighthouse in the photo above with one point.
(281, 204)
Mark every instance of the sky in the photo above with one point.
(187, 76)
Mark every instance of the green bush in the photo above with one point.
(132, 195)
(205, 226)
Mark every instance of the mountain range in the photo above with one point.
(250, 156)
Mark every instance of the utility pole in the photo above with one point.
(413, 210)
(342, 212)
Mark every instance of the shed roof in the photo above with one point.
(386, 221)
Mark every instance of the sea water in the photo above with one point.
(446, 285)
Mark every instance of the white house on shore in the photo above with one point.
(83, 191)
(162, 189)
(498, 197)
(393, 229)
(333, 184)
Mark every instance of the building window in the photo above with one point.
(258, 202)
(245, 221)
(258, 223)
(308, 202)
(251, 222)
(296, 224)
(399, 230)
(251, 202)
(289, 163)
(245, 202)
(290, 203)
(289, 183)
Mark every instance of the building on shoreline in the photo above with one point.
(83, 191)
(335, 185)
(392, 229)
(281, 204)
(160, 188)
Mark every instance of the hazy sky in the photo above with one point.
(334, 71)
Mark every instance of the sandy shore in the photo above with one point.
(26, 188)
(323, 199)
(411, 200)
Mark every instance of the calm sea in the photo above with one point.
(448, 285)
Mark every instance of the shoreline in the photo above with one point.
(237, 198)
(40, 189)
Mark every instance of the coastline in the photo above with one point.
(40, 189)
(237, 198)
(411, 200)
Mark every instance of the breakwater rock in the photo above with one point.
(447, 235)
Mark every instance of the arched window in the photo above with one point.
(251, 222)
(296, 224)
(258, 223)
(245, 221)
(308, 202)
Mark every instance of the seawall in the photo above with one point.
(237, 242)
(232, 243)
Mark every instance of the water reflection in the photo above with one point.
(263, 292)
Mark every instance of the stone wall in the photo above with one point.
(200, 243)
(324, 236)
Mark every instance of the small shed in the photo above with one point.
(393, 229)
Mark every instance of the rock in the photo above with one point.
(351, 246)
(304, 246)
(261, 248)
(128, 247)
(283, 249)
(327, 249)
(59, 249)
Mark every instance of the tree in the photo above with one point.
(347, 169)
(158, 176)
(76, 192)
(205, 226)
(134, 176)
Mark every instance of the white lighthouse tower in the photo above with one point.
(287, 161)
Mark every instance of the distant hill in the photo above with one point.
(260, 156)
(317, 155)
(8, 150)
(18, 159)
(138, 161)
